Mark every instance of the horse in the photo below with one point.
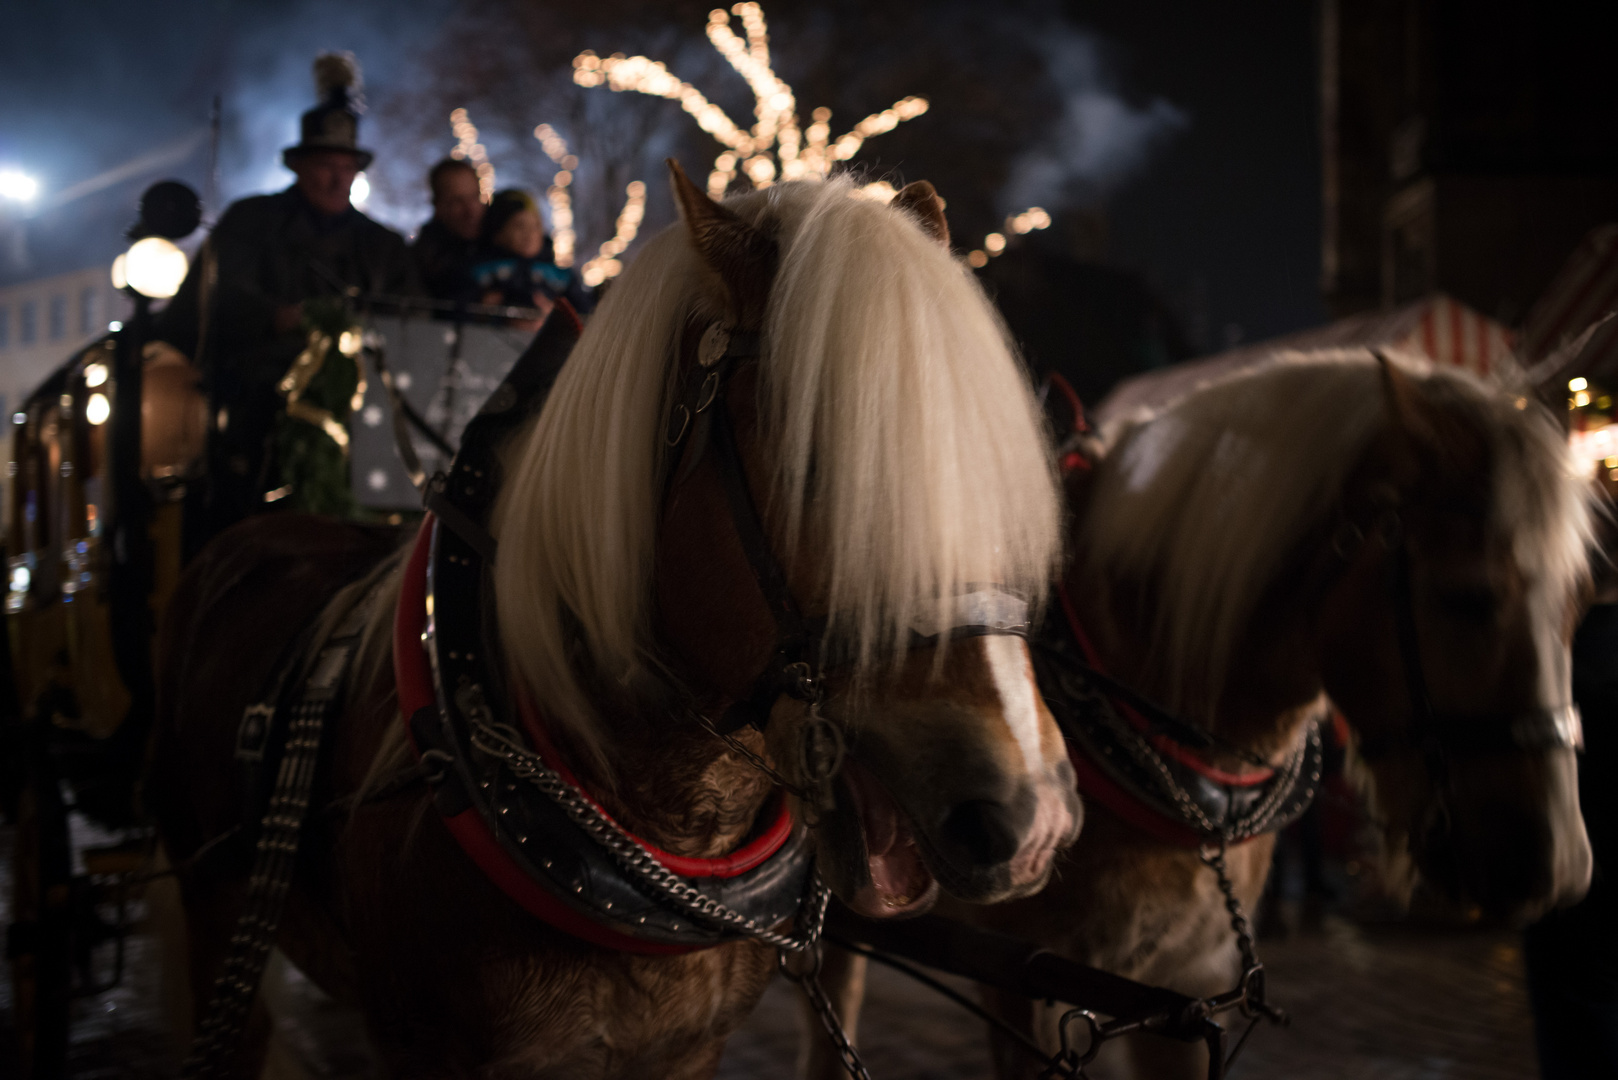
(793, 407)
(1399, 541)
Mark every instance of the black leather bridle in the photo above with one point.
(700, 422)
(1445, 736)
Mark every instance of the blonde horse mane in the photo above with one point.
(906, 445)
(1205, 496)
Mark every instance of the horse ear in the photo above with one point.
(1412, 423)
(921, 200)
(1400, 394)
(742, 256)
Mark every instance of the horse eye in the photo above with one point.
(1474, 604)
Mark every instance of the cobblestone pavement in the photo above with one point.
(1384, 1002)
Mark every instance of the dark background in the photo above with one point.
(1179, 141)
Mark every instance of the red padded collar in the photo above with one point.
(472, 833)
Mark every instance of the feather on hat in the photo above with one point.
(338, 73)
(334, 123)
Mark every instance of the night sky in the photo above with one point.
(1218, 210)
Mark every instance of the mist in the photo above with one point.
(1099, 140)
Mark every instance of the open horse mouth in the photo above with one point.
(898, 881)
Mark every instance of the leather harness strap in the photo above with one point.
(500, 783)
(1145, 765)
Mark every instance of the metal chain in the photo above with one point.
(505, 743)
(808, 980)
(1253, 1000)
(1253, 823)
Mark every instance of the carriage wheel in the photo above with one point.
(39, 939)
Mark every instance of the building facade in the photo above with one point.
(44, 322)
(1468, 147)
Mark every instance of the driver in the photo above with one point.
(275, 267)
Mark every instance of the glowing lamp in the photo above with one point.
(95, 374)
(154, 267)
(1580, 383)
(17, 186)
(359, 193)
(97, 409)
(120, 274)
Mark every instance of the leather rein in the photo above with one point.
(1445, 736)
(700, 423)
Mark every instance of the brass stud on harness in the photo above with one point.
(715, 341)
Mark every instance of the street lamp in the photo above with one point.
(17, 186)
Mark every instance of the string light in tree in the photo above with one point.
(468, 148)
(606, 264)
(775, 147)
(993, 244)
(560, 198)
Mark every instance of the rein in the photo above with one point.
(1443, 737)
(700, 422)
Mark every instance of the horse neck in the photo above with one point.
(678, 786)
(1273, 682)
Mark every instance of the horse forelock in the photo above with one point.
(905, 442)
(1205, 498)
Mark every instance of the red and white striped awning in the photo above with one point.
(1583, 293)
(1437, 327)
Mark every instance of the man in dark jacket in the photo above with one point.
(447, 245)
(274, 268)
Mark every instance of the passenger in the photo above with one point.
(275, 267)
(447, 246)
(516, 264)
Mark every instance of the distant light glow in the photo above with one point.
(120, 279)
(1580, 383)
(115, 325)
(97, 409)
(17, 186)
(560, 198)
(470, 149)
(877, 191)
(776, 146)
(19, 418)
(360, 193)
(606, 263)
(95, 374)
(155, 267)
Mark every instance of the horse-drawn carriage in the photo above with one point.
(107, 460)
(768, 544)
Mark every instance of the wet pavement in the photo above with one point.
(1388, 1001)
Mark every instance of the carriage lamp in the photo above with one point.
(154, 267)
(95, 374)
(97, 409)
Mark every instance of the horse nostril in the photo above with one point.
(985, 830)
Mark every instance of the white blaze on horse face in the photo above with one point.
(1008, 664)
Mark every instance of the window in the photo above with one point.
(89, 308)
(5, 328)
(58, 317)
(29, 328)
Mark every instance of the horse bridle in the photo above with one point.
(1442, 737)
(699, 421)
